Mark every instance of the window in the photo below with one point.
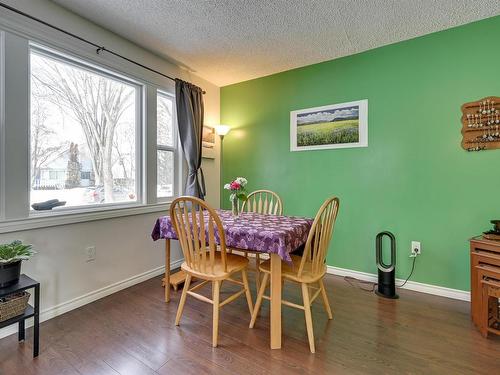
(166, 146)
(74, 131)
(84, 127)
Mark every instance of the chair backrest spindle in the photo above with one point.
(263, 202)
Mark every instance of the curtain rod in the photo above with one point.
(99, 48)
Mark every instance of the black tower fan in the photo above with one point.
(386, 272)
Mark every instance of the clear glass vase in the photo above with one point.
(235, 207)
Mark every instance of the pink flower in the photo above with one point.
(235, 185)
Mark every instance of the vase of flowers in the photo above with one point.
(238, 192)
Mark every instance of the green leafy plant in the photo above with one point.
(15, 251)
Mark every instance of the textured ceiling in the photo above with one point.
(228, 41)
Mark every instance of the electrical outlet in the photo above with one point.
(415, 248)
(91, 253)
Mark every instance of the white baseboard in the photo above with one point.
(410, 285)
(77, 302)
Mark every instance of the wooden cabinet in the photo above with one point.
(485, 273)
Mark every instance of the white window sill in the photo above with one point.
(52, 219)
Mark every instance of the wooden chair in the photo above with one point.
(308, 269)
(262, 202)
(196, 224)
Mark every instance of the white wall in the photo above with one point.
(125, 250)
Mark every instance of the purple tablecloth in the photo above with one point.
(250, 231)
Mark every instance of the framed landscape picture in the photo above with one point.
(341, 125)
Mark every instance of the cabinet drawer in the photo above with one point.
(487, 270)
(489, 245)
(479, 256)
(494, 291)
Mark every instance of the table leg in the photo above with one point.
(36, 324)
(167, 270)
(275, 301)
(20, 334)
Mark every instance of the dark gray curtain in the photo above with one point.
(189, 103)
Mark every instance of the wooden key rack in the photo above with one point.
(481, 124)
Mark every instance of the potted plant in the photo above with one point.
(238, 192)
(11, 256)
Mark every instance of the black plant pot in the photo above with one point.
(10, 273)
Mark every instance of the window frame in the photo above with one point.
(2, 125)
(140, 124)
(175, 148)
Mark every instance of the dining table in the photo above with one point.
(275, 235)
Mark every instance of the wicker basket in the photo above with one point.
(13, 305)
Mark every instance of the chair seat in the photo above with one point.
(234, 264)
(289, 271)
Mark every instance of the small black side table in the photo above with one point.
(24, 283)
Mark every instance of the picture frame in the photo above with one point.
(342, 125)
(208, 142)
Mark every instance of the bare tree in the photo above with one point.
(44, 145)
(97, 103)
(124, 146)
(164, 120)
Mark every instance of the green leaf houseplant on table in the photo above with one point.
(11, 257)
(238, 192)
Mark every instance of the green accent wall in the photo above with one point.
(414, 179)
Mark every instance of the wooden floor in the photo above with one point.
(133, 332)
